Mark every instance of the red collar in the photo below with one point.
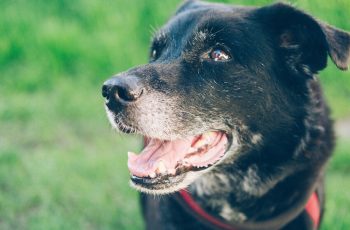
(312, 208)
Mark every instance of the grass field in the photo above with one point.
(61, 165)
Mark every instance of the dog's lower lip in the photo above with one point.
(161, 180)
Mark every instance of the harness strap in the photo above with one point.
(312, 208)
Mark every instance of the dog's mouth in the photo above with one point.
(164, 163)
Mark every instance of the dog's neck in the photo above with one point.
(244, 194)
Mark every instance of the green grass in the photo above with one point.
(61, 166)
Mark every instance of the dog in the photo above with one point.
(237, 131)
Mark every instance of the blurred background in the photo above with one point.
(61, 165)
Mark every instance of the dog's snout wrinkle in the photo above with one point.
(125, 89)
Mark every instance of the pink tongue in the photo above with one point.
(169, 152)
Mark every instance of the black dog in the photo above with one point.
(231, 109)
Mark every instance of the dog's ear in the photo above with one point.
(304, 41)
(188, 5)
(338, 45)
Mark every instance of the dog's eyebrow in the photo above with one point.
(208, 31)
(201, 35)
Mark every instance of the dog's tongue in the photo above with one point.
(160, 157)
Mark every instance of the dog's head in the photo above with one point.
(222, 81)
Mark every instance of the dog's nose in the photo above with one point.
(123, 88)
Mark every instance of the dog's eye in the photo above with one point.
(154, 54)
(219, 55)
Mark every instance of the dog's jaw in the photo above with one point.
(190, 177)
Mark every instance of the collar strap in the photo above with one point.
(312, 208)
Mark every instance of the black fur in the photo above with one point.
(267, 96)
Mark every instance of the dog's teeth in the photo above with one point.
(172, 171)
(209, 136)
(200, 143)
(152, 175)
(161, 167)
(186, 164)
(205, 139)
